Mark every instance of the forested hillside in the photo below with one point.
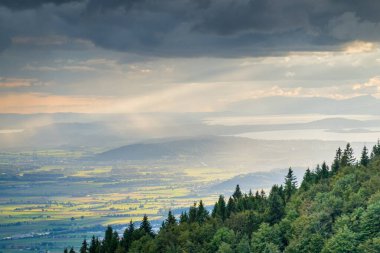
(335, 209)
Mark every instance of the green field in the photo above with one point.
(53, 199)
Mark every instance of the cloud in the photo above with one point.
(140, 56)
(290, 74)
(89, 65)
(349, 26)
(221, 28)
(22, 5)
(360, 47)
(372, 86)
(51, 41)
(19, 82)
(183, 98)
(45, 103)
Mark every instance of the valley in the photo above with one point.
(54, 198)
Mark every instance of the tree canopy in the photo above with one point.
(334, 210)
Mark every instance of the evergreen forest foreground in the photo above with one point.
(335, 209)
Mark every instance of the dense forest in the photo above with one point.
(335, 209)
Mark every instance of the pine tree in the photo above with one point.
(250, 201)
(324, 170)
(376, 150)
(98, 247)
(348, 156)
(128, 236)
(290, 184)
(170, 221)
(163, 225)
(276, 206)
(72, 250)
(107, 241)
(231, 207)
(237, 194)
(337, 161)
(262, 194)
(84, 247)
(183, 218)
(308, 176)
(257, 195)
(240, 203)
(145, 226)
(281, 192)
(364, 160)
(318, 171)
(261, 205)
(95, 245)
(114, 241)
(193, 213)
(339, 154)
(92, 248)
(202, 213)
(214, 210)
(220, 208)
(65, 250)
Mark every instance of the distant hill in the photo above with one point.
(255, 181)
(59, 130)
(198, 146)
(228, 152)
(297, 105)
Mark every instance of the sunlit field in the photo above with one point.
(54, 199)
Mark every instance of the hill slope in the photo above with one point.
(335, 209)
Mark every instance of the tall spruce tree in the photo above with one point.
(276, 206)
(84, 247)
(308, 179)
(324, 170)
(237, 194)
(93, 245)
(128, 236)
(318, 171)
(348, 156)
(170, 220)
(337, 161)
(213, 211)
(202, 213)
(364, 159)
(231, 207)
(290, 184)
(114, 241)
(145, 226)
(183, 218)
(220, 208)
(193, 213)
(107, 241)
(376, 150)
(262, 201)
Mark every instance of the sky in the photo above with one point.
(138, 56)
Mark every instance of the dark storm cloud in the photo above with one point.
(22, 4)
(229, 28)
